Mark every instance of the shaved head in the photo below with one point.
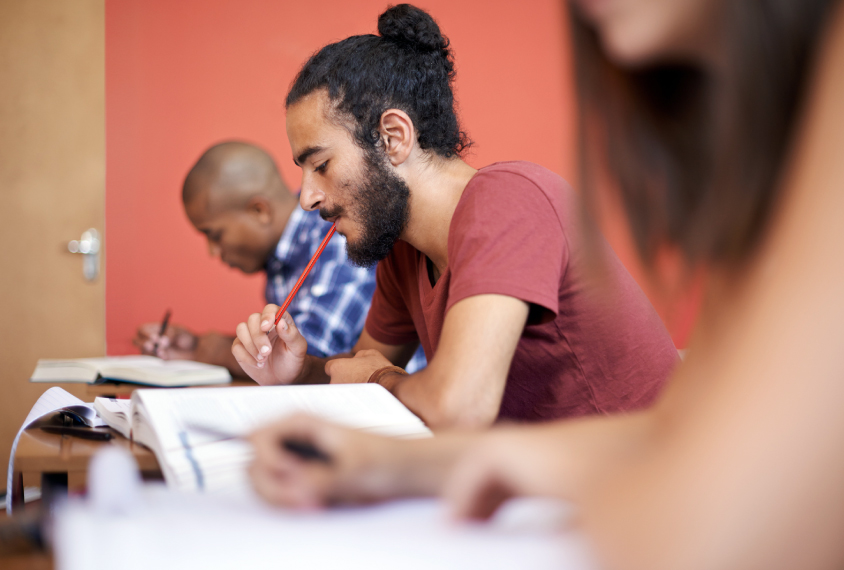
(232, 173)
(236, 198)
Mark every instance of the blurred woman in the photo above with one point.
(721, 125)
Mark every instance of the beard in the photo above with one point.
(381, 205)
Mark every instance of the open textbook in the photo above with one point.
(52, 401)
(136, 369)
(179, 425)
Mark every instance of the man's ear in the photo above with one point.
(261, 209)
(397, 134)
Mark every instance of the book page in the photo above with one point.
(50, 401)
(179, 425)
(116, 413)
(218, 468)
(63, 371)
(133, 368)
(238, 411)
(158, 372)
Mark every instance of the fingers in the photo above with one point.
(331, 366)
(251, 342)
(146, 330)
(154, 345)
(149, 341)
(145, 337)
(287, 486)
(356, 369)
(299, 427)
(477, 486)
(368, 352)
(289, 333)
(284, 478)
(259, 327)
(182, 338)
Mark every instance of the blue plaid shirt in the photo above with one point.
(330, 308)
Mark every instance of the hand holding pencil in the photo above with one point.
(269, 346)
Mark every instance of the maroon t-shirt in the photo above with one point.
(515, 232)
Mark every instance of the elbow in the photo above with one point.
(452, 411)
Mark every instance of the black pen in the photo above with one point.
(303, 449)
(161, 332)
(78, 431)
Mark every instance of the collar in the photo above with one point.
(285, 245)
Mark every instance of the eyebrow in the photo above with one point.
(298, 160)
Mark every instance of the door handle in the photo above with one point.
(89, 247)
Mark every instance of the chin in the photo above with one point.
(633, 48)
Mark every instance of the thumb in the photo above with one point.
(289, 333)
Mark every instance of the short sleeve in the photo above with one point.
(507, 238)
(389, 320)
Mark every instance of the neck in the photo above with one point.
(435, 189)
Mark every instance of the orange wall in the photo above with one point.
(182, 75)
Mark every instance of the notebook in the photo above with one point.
(147, 370)
(183, 427)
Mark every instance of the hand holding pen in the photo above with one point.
(164, 322)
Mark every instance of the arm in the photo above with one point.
(464, 382)
(556, 459)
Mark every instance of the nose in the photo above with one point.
(311, 197)
(214, 249)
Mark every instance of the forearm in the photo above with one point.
(564, 459)
(440, 403)
(416, 468)
(578, 454)
(214, 348)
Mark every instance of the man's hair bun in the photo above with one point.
(408, 25)
(409, 66)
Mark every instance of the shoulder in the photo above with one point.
(519, 181)
(516, 190)
(520, 173)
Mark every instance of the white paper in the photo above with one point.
(174, 530)
(53, 399)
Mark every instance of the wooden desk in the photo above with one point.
(62, 461)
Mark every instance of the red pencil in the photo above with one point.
(302, 278)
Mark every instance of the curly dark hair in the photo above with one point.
(408, 67)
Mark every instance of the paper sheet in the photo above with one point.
(53, 399)
(175, 530)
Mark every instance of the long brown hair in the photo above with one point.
(697, 156)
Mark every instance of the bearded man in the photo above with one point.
(483, 267)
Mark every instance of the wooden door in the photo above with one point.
(52, 189)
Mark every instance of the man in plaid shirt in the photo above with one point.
(235, 196)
